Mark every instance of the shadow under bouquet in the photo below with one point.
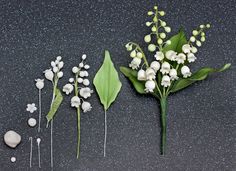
(169, 71)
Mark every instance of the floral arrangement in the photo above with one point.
(169, 71)
(81, 93)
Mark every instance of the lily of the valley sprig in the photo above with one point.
(169, 71)
(81, 94)
(54, 74)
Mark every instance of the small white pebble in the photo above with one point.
(13, 159)
(32, 122)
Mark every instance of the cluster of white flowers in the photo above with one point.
(170, 64)
(81, 75)
(55, 72)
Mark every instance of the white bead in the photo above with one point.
(32, 122)
(75, 70)
(71, 80)
(80, 80)
(86, 82)
(81, 65)
(13, 159)
(84, 56)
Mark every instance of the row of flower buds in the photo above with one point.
(55, 71)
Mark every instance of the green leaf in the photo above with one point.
(55, 105)
(107, 82)
(132, 76)
(197, 76)
(177, 41)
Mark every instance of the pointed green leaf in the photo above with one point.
(197, 76)
(177, 41)
(55, 105)
(132, 76)
(107, 82)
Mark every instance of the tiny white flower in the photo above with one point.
(81, 65)
(86, 82)
(83, 74)
(86, 73)
(53, 64)
(71, 80)
(80, 80)
(59, 58)
(86, 66)
(191, 57)
(165, 68)
(141, 75)
(173, 74)
(48, 74)
(75, 70)
(86, 106)
(55, 69)
(185, 71)
(31, 108)
(194, 50)
(85, 92)
(165, 81)
(39, 83)
(181, 57)
(186, 48)
(150, 74)
(135, 63)
(60, 74)
(171, 55)
(155, 66)
(75, 101)
(159, 56)
(57, 62)
(60, 65)
(68, 88)
(149, 86)
(84, 56)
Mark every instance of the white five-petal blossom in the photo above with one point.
(173, 74)
(191, 57)
(165, 81)
(185, 71)
(149, 86)
(159, 56)
(39, 83)
(75, 101)
(31, 108)
(135, 63)
(181, 57)
(141, 75)
(150, 74)
(85, 92)
(86, 106)
(68, 88)
(171, 55)
(165, 68)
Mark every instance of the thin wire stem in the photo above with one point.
(39, 156)
(40, 111)
(52, 143)
(105, 131)
(31, 150)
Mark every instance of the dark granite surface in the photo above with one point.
(201, 119)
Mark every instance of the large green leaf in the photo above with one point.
(132, 76)
(197, 76)
(55, 105)
(107, 82)
(177, 41)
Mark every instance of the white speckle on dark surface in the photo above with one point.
(201, 119)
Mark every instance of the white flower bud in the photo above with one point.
(163, 35)
(186, 48)
(147, 38)
(75, 70)
(185, 71)
(48, 74)
(195, 32)
(155, 66)
(84, 56)
(133, 54)
(162, 13)
(194, 49)
(39, 83)
(81, 65)
(163, 23)
(208, 26)
(60, 65)
(168, 42)
(159, 56)
(171, 55)
(55, 69)
(159, 41)
(148, 23)
(198, 43)
(154, 29)
(202, 26)
(167, 29)
(203, 39)
(59, 58)
(192, 39)
(53, 64)
(151, 47)
(86, 82)
(141, 75)
(71, 80)
(150, 13)
(86, 66)
(80, 80)
(60, 74)
(139, 55)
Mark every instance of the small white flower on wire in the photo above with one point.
(85, 92)
(171, 55)
(31, 108)
(75, 101)
(159, 56)
(181, 57)
(68, 88)
(135, 63)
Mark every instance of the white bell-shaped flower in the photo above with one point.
(84, 56)
(150, 74)
(186, 48)
(75, 70)
(60, 74)
(135, 63)
(173, 74)
(59, 58)
(149, 86)
(141, 75)
(86, 106)
(48, 74)
(39, 83)
(75, 101)
(165, 81)
(68, 88)
(85, 92)
(181, 57)
(165, 68)
(185, 71)
(159, 56)
(191, 57)
(53, 64)
(171, 55)
(80, 80)
(86, 82)
(155, 66)
(60, 65)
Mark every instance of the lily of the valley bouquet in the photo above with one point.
(169, 71)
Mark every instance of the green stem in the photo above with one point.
(78, 128)
(163, 103)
